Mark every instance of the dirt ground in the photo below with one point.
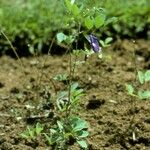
(116, 120)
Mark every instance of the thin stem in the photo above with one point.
(41, 75)
(133, 100)
(12, 47)
(74, 66)
(69, 90)
(71, 74)
(135, 65)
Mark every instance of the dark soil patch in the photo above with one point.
(106, 107)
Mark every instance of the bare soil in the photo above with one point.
(116, 120)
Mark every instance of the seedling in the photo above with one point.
(32, 133)
(142, 77)
(74, 130)
(62, 99)
(135, 91)
(106, 42)
(61, 77)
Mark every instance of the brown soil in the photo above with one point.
(107, 107)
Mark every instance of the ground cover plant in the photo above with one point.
(95, 96)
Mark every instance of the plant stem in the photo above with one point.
(39, 78)
(132, 121)
(69, 90)
(71, 74)
(12, 47)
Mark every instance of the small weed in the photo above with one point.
(72, 130)
(142, 77)
(75, 96)
(61, 77)
(32, 133)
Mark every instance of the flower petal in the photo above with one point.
(94, 43)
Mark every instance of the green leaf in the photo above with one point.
(78, 93)
(74, 86)
(147, 75)
(53, 139)
(61, 37)
(62, 94)
(31, 132)
(38, 128)
(61, 77)
(141, 77)
(82, 133)
(99, 21)
(48, 138)
(78, 124)
(89, 23)
(144, 94)
(32, 50)
(68, 5)
(25, 135)
(82, 144)
(72, 7)
(102, 43)
(56, 137)
(108, 40)
(70, 39)
(53, 131)
(111, 20)
(130, 89)
(75, 10)
(60, 125)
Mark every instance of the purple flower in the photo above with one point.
(94, 43)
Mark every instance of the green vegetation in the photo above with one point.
(133, 16)
(32, 133)
(35, 25)
(143, 78)
(31, 25)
